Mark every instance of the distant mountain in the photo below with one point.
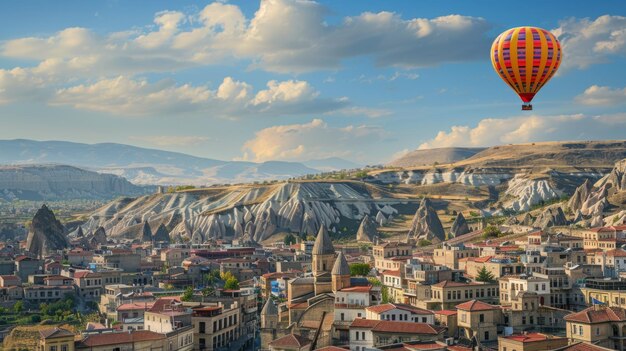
(428, 157)
(146, 166)
(56, 182)
(331, 164)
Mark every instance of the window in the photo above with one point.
(63, 347)
(580, 330)
(481, 318)
(53, 348)
(597, 331)
(486, 335)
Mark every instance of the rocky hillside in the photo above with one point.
(520, 176)
(251, 212)
(429, 157)
(54, 182)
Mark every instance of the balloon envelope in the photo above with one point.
(526, 58)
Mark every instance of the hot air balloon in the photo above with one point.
(526, 58)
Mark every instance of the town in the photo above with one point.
(554, 289)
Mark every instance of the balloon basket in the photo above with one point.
(527, 107)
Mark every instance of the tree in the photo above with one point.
(188, 294)
(491, 231)
(485, 276)
(231, 284)
(18, 307)
(289, 239)
(360, 269)
(226, 275)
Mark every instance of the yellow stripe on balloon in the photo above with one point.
(544, 60)
(514, 59)
(529, 60)
(505, 73)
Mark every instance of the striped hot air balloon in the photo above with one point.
(526, 58)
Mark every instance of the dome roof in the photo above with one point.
(341, 265)
(323, 244)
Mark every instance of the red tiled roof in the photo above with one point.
(135, 306)
(120, 338)
(160, 304)
(291, 340)
(475, 305)
(603, 314)
(390, 306)
(531, 337)
(396, 327)
(331, 348)
(616, 253)
(358, 289)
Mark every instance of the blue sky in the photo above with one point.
(299, 80)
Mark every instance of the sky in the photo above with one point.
(299, 80)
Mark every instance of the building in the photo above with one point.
(367, 333)
(216, 326)
(399, 312)
(599, 325)
(391, 255)
(166, 315)
(450, 256)
(478, 320)
(56, 339)
(179, 340)
(530, 342)
(290, 342)
(510, 286)
(447, 294)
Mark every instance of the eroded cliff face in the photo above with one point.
(519, 189)
(60, 182)
(253, 212)
(46, 234)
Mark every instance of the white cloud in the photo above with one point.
(602, 96)
(127, 96)
(283, 36)
(586, 42)
(287, 91)
(171, 140)
(495, 131)
(312, 140)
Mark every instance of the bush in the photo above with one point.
(359, 269)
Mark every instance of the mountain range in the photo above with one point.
(144, 166)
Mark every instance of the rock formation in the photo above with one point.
(550, 217)
(459, 226)
(426, 224)
(527, 220)
(367, 232)
(46, 234)
(161, 235)
(99, 237)
(146, 232)
(616, 178)
(580, 196)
